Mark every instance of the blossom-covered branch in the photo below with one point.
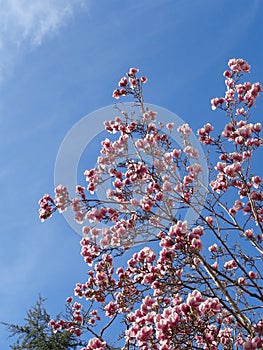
(194, 285)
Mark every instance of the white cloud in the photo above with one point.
(29, 22)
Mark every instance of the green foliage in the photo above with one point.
(36, 333)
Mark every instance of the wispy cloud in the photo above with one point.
(29, 22)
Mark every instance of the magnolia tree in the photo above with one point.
(193, 284)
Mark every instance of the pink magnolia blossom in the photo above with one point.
(230, 265)
(239, 65)
(170, 126)
(184, 129)
(95, 344)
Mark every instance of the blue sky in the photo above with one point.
(59, 61)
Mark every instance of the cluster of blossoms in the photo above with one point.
(61, 198)
(200, 284)
(165, 324)
(130, 85)
(180, 238)
(73, 326)
(244, 136)
(246, 93)
(46, 207)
